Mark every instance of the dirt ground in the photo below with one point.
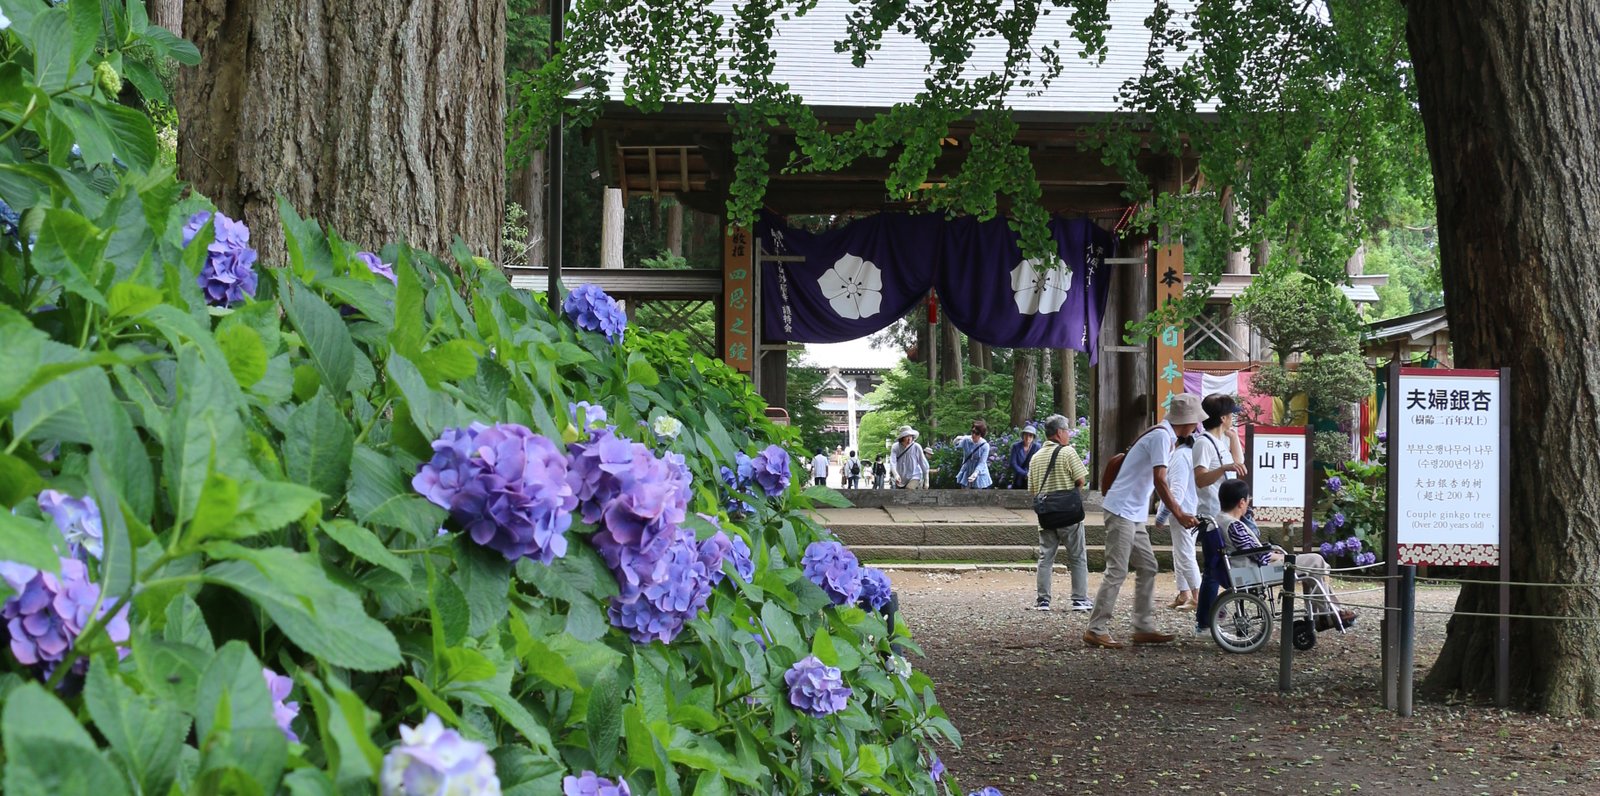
(1041, 713)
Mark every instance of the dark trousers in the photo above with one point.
(823, 481)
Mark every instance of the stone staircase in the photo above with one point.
(948, 527)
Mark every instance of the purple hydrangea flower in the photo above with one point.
(48, 612)
(815, 688)
(78, 519)
(589, 784)
(378, 267)
(590, 308)
(587, 416)
(770, 469)
(714, 550)
(434, 761)
(636, 497)
(1353, 544)
(1383, 437)
(505, 486)
(229, 273)
(1337, 521)
(1327, 550)
(743, 563)
(1368, 558)
(936, 769)
(282, 712)
(875, 588)
(1335, 484)
(835, 570)
(989, 791)
(657, 601)
(1338, 547)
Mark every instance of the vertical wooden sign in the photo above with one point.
(738, 300)
(1169, 344)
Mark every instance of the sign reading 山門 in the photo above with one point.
(1278, 461)
(1446, 451)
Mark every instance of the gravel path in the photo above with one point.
(1041, 713)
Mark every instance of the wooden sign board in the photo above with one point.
(1169, 345)
(739, 343)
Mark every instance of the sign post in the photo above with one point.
(1280, 475)
(1169, 345)
(740, 345)
(1449, 453)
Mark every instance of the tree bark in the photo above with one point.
(167, 13)
(535, 189)
(384, 121)
(1067, 384)
(1510, 101)
(950, 366)
(1024, 385)
(675, 228)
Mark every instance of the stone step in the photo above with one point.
(966, 535)
(992, 554)
(951, 498)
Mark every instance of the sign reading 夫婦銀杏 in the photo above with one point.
(1446, 454)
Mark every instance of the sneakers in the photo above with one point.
(1202, 632)
(1083, 605)
(1042, 605)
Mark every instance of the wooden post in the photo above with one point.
(1502, 644)
(740, 342)
(1391, 553)
(1169, 346)
(611, 229)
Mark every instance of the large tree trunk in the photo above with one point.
(1066, 395)
(1024, 386)
(383, 120)
(1510, 100)
(950, 369)
(167, 13)
(535, 188)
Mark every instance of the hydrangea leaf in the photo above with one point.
(365, 545)
(246, 354)
(603, 718)
(317, 446)
(524, 772)
(48, 752)
(233, 718)
(380, 495)
(484, 576)
(29, 541)
(324, 333)
(146, 732)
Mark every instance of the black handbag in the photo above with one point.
(1062, 508)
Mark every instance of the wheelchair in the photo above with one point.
(1245, 614)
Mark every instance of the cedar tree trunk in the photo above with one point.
(1024, 385)
(1510, 99)
(383, 120)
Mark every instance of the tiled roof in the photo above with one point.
(806, 61)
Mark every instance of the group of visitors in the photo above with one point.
(1193, 463)
(851, 469)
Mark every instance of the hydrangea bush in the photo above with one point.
(363, 522)
(1352, 512)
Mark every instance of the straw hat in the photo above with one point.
(905, 431)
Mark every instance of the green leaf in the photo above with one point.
(145, 732)
(723, 444)
(366, 545)
(47, 752)
(233, 718)
(711, 784)
(133, 138)
(87, 25)
(179, 49)
(454, 616)
(410, 317)
(31, 542)
(465, 665)
(70, 249)
(429, 409)
(229, 510)
(781, 627)
(827, 497)
(170, 669)
(345, 734)
(518, 717)
(541, 661)
(321, 618)
(523, 772)
(317, 447)
(53, 63)
(484, 577)
(452, 360)
(187, 625)
(604, 718)
(381, 495)
(822, 648)
(247, 356)
(131, 299)
(324, 333)
(216, 510)
(204, 433)
(641, 372)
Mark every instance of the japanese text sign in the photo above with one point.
(738, 300)
(1447, 458)
(1169, 344)
(1279, 462)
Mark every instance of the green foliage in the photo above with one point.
(1359, 507)
(1411, 259)
(253, 466)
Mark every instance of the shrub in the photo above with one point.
(342, 537)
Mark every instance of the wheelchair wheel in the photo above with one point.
(1241, 622)
(1305, 634)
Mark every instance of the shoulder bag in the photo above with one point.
(1062, 508)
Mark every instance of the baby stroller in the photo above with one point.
(1243, 617)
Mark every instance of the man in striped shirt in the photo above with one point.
(1068, 473)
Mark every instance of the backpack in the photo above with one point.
(855, 467)
(1108, 476)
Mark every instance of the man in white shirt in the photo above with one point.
(1127, 508)
(819, 468)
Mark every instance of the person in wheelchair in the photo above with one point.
(1242, 537)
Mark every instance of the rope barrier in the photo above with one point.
(1477, 614)
(1461, 582)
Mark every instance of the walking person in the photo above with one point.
(879, 471)
(819, 469)
(1022, 452)
(1127, 507)
(1068, 472)
(852, 470)
(1218, 456)
(1185, 569)
(910, 464)
(974, 473)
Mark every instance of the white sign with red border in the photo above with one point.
(1447, 454)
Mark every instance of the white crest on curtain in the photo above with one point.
(1040, 293)
(853, 287)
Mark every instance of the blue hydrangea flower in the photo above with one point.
(738, 479)
(743, 563)
(875, 589)
(714, 550)
(1338, 547)
(815, 688)
(229, 274)
(1368, 558)
(378, 267)
(636, 497)
(590, 308)
(434, 761)
(1327, 550)
(282, 712)
(660, 599)
(1335, 484)
(1353, 544)
(1337, 521)
(770, 469)
(587, 416)
(834, 569)
(1383, 437)
(10, 220)
(48, 612)
(936, 769)
(989, 791)
(590, 784)
(505, 486)
(78, 519)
